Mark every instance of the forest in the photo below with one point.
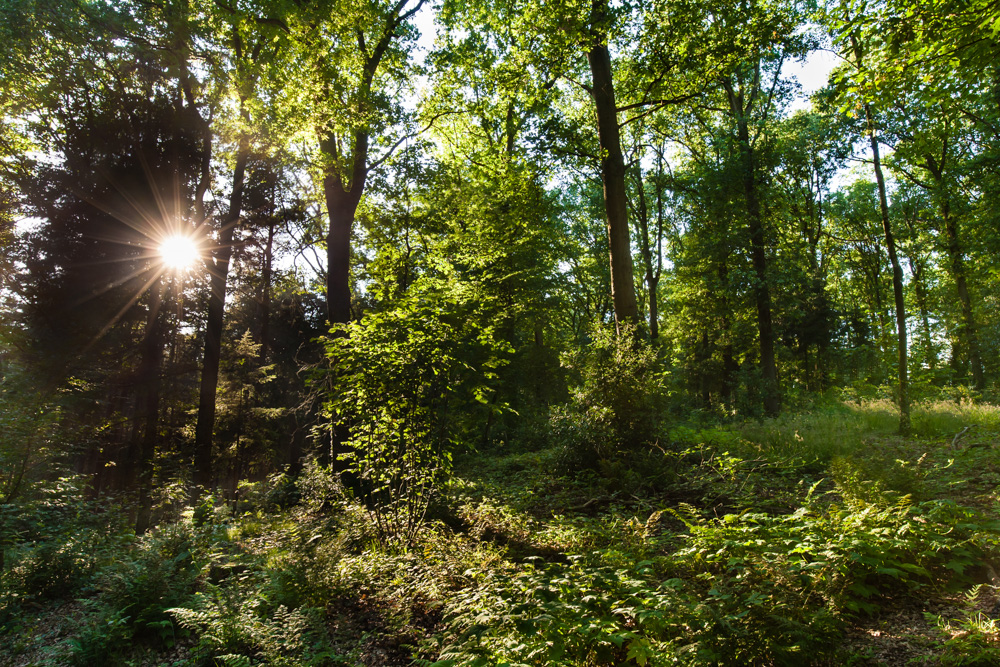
(499, 332)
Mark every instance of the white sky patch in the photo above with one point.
(424, 21)
(812, 73)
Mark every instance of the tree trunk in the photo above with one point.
(968, 331)
(219, 274)
(341, 205)
(897, 279)
(149, 379)
(652, 277)
(758, 254)
(265, 289)
(919, 284)
(612, 172)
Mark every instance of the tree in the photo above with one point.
(358, 54)
(853, 48)
(247, 44)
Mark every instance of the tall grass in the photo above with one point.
(841, 429)
(944, 419)
(822, 434)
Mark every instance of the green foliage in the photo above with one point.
(820, 434)
(236, 627)
(579, 614)
(54, 543)
(28, 426)
(744, 589)
(159, 572)
(970, 640)
(102, 640)
(619, 404)
(944, 419)
(400, 377)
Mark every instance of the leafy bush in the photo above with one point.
(578, 614)
(234, 627)
(157, 574)
(55, 542)
(398, 375)
(28, 424)
(619, 403)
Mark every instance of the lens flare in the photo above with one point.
(178, 252)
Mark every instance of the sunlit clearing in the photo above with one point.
(178, 252)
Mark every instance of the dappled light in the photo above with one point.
(438, 334)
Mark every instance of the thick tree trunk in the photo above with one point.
(612, 173)
(219, 274)
(897, 281)
(341, 205)
(758, 254)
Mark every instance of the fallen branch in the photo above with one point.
(960, 435)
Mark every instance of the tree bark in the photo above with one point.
(341, 205)
(758, 252)
(897, 277)
(219, 274)
(968, 331)
(265, 289)
(919, 284)
(612, 172)
(343, 191)
(652, 277)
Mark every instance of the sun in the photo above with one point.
(178, 251)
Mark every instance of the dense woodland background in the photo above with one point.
(605, 254)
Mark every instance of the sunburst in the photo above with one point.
(179, 251)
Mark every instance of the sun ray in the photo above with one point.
(157, 273)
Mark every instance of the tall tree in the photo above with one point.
(247, 43)
(358, 55)
(854, 50)
(765, 35)
(612, 165)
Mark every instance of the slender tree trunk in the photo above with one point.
(968, 331)
(612, 172)
(897, 279)
(758, 254)
(652, 278)
(219, 274)
(152, 360)
(265, 290)
(920, 285)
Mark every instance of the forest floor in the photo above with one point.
(816, 538)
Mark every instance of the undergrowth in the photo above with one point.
(757, 543)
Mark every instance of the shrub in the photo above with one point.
(619, 403)
(398, 376)
(55, 542)
(159, 573)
